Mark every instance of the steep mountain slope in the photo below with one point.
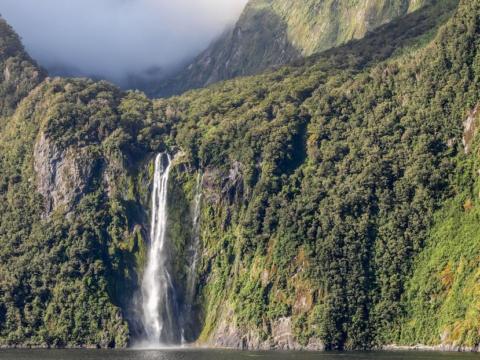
(343, 171)
(19, 73)
(324, 184)
(442, 298)
(270, 33)
(55, 268)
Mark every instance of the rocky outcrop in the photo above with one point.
(62, 176)
(233, 184)
(440, 347)
(282, 334)
(220, 186)
(469, 129)
(229, 335)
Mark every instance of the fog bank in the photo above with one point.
(114, 38)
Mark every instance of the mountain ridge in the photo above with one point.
(325, 187)
(273, 33)
(20, 73)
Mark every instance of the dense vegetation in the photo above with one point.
(272, 33)
(442, 298)
(335, 191)
(19, 74)
(58, 292)
(342, 171)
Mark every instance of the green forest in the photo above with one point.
(340, 195)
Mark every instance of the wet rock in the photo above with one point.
(440, 347)
(282, 335)
(222, 186)
(315, 344)
(222, 190)
(229, 335)
(233, 184)
(210, 186)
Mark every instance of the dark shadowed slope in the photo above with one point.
(270, 33)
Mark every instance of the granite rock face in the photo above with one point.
(62, 176)
(228, 335)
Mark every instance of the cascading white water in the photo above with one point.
(167, 316)
(158, 293)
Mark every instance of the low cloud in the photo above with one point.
(114, 38)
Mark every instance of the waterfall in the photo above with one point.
(158, 292)
(168, 316)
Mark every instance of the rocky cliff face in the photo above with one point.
(63, 176)
(281, 337)
(321, 182)
(271, 33)
(470, 129)
(77, 205)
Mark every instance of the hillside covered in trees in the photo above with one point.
(274, 33)
(339, 196)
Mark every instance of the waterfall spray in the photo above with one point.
(167, 315)
(158, 292)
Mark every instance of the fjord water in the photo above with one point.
(191, 354)
(160, 315)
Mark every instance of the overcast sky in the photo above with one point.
(114, 37)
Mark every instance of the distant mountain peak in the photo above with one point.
(271, 33)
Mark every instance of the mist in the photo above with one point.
(113, 39)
